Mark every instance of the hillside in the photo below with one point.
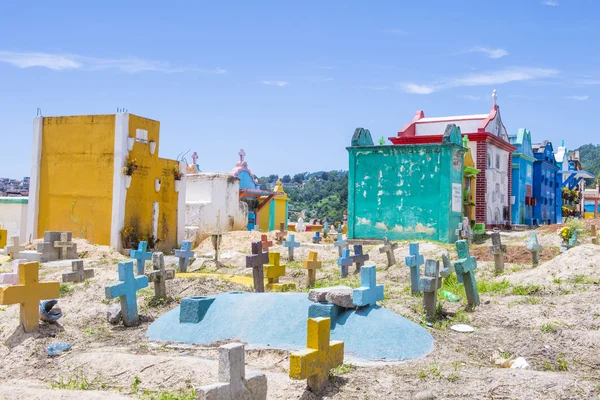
(590, 159)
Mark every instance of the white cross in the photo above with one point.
(242, 153)
(13, 251)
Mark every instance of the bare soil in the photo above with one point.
(549, 314)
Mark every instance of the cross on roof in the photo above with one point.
(234, 383)
(414, 262)
(242, 154)
(126, 290)
(265, 242)
(63, 244)
(311, 265)
(340, 243)
(388, 248)
(184, 254)
(291, 244)
(194, 157)
(79, 274)
(465, 266)
(344, 262)
(359, 258)
(13, 251)
(369, 291)
(160, 275)
(141, 255)
(319, 357)
(256, 262)
(28, 294)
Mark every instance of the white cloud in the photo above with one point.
(276, 83)
(578, 98)
(470, 97)
(492, 53)
(515, 74)
(550, 3)
(394, 31)
(60, 62)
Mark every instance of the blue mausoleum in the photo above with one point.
(522, 178)
(547, 198)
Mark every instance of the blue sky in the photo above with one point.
(290, 81)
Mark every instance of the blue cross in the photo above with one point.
(369, 291)
(345, 261)
(414, 262)
(126, 290)
(317, 237)
(291, 244)
(184, 254)
(359, 258)
(465, 267)
(340, 243)
(141, 255)
(326, 228)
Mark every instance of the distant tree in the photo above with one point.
(273, 178)
(299, 178)
(286, 179)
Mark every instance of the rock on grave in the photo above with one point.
(184, 254)
(234, 383)
(140, 256)
(320, 356)
(369, 291)
(28, 294)
(465, 266)
(498, 250)
(126, 290)
(430, 284)
(338, 295)
(388, 248)
(256, 262)
(57, 246)
(291, 245)
(534, 247)
(359, 258)
(160, 275)
(414, 262)
(79, 274)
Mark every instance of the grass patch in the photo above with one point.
(343, 369)
(147, 395)
(432, 371)
(525, 290)
(549, 328)
(561, 364)
(77, 382)
(66, 289)
(491, 287)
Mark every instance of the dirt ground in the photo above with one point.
(549, 314)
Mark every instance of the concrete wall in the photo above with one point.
(212, 197)
(13, 217)
(405, 191)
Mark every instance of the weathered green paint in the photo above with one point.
(404, 192)
(362, 137)
(14, 200)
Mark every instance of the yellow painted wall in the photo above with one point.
(279, 202)
(141, 194)
(264, 216)
(76, 176)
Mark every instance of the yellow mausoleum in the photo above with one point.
(78, 183)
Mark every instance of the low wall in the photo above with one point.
(13, 216)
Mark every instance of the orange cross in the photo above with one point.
(28, 294)
(312, 265)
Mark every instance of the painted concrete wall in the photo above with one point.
(496, 195)
(405, 191)
(13, 216)
(212, 197)
(142, 197)
(76, 176)
(522, 180)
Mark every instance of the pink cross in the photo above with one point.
(194, 157)
(242, 153)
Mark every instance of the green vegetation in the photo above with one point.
(343, 369)
(590, 160)
(65, 289)
(77, 382)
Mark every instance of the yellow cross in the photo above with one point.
(28, 294)
(311, 265)
(319, 357)
(273, 270)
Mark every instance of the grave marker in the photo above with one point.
(414, 262)
(160, 275)
(291, 245)
(256, 262)
(184, 254)
(300, 225)
(465, 266)
(464, 231)
(11, 278)
(320, 356)
(498, 250)
(79, 274)
(273, 271)
(265, 243)
(345, 261)
(317, 238)
(534, 247)
(359, 258)
(15, 248)
(447, 269)
(141, 255)
(28, 294)
(369, 291)
(280, 234)
(126, 290)
(340, 243)
(388, 248)
(63, 245)
(326, 229)
(573, 240)
(430, 284)
(594, 235)
(234, 383)
(311, 265)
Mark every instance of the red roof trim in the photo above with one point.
(409, 129)
(473, 137)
